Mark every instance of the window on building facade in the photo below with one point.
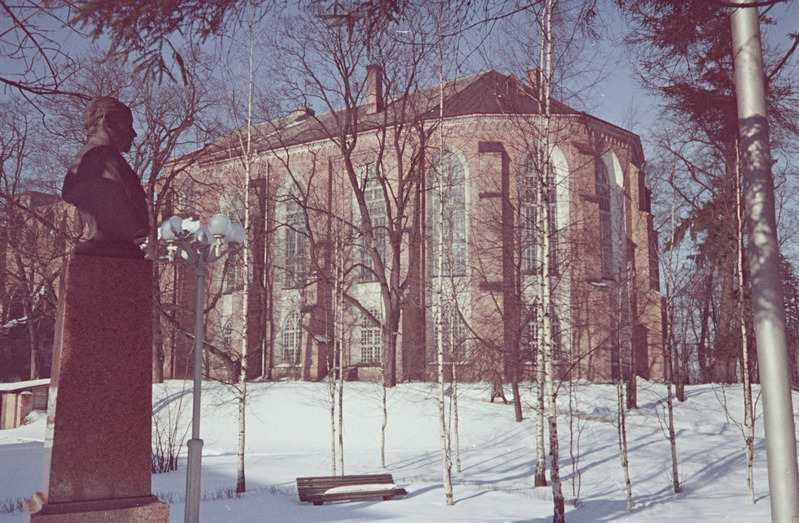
(602, 183)
(292, 339)
(530, 199)
(227, 336)
(614, 342)
(559, 354)
(376, 205)
(230, 275)
(654, 260)
(186, 201)
(231, 204)
(454, 334)
(294, 244)
(528, 344)
(370, 339)
(446, 211)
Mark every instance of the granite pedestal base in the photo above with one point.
(97, 455)
(120, 510)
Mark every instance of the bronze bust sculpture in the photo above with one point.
(104, 188)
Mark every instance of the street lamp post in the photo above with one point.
(199, 246)
(764, 264)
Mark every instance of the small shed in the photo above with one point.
(17, 400)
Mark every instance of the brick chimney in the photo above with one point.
(302, 113)
(534, 79)
(374, 89)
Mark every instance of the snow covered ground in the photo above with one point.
(288, 435)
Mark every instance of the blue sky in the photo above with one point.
(617, 98)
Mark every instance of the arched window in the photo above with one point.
(447, 185)
(605, 220)
(230, 274)
(227, 336)
(531, 198)
(294, 240)
(231, 204)
(370, 339)
(292, 339)
(455, 334)
(529, 341)
(186, 198)
(528, 344)
(376, 206)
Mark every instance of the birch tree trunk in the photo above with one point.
(241, 485)
(383, 428)
(540, 446)
(668, 355)
(338, 359)
(332, 390)
(621, 425)
(574, 446)
(621, 404)
(245, 250)
(749, 421)
(622, 311)
(32, 338)
(454, 397)
(675, 473)
(341, 413)
(546, 294)
(446, 463)
(541, 461)
(340, 309)
(629, 289)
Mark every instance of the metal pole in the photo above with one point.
(761, 225)
(195, 444)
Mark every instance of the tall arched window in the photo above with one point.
(227, 336)
(528, 344)
(605, 220)
(294, 241)
(447, 184)
(531, 197)
(186, 198)
(370, 339)
(292, 339)
(230, 274)
(455, 334)
(376, 206)
(231, 204)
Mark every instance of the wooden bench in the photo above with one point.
(317, 490)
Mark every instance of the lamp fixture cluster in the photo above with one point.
(205, 243)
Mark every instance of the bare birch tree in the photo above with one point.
(621, 428)
(668, 351)
(446, 458)
(749, 417)
(546, 281)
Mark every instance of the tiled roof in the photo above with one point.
(488, 92)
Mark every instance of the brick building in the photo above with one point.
(443, 234)
(39, 230)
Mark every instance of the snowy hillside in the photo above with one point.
(288, 435)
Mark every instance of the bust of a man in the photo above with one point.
(102, 185)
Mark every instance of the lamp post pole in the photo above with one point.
(761, 223)
(195, 444)
(199, 246)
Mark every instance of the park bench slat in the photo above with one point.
(312, 489)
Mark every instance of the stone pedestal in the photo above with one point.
(97, 456)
